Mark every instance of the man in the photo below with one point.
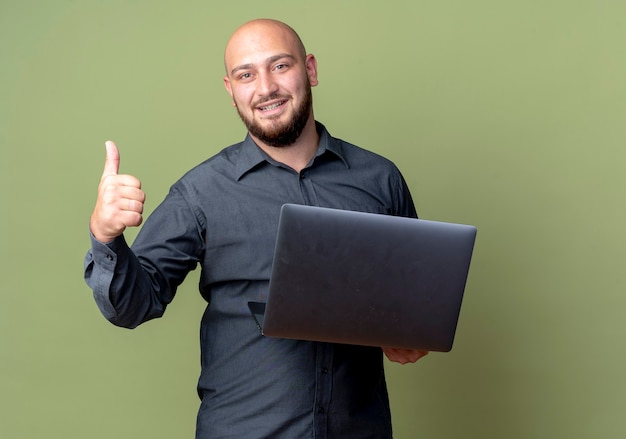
(223, 215)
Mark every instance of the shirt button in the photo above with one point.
(109, 257)
(321, 410)
(324, 370)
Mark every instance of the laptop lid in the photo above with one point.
(366, 279)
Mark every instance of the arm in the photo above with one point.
(133, 286)
(120, 288)
(406, 208)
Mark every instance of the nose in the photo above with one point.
(266, 85)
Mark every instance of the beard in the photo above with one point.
(281, 134)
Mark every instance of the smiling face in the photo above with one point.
(269, 77)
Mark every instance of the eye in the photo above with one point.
(282, 66)
(245, 76)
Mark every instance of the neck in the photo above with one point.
(297, 155)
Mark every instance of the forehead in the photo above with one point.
(255, 43)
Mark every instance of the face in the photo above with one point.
(269, 78)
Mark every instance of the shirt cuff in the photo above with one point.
(100, 266)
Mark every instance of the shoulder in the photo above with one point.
(226, 165)
(222, 161)
(359, 157)
(351, 153)
(202, 177)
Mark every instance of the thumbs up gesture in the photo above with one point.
(120, 200)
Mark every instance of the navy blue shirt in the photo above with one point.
(223, 215)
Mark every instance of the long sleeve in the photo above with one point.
(120, 288)
(404, 199)
(131, 286)
(99, 267)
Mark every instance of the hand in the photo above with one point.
(120, 200)
(404, 356)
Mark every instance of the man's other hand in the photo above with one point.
(404, 356)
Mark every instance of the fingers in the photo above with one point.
(126, 218)
(131, 198)
(121, 193)
(117, 195)
(127, 185)
(404, 356)
(112, 159)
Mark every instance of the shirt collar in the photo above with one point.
(251, 156)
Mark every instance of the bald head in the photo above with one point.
(256, 35)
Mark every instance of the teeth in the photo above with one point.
(271, 107)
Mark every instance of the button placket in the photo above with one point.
(323, 390)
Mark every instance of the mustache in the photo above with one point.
(270, 97)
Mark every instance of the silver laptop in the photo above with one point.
(366, 279)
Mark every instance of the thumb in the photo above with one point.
(112, 160)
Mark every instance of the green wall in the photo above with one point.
(509, 115)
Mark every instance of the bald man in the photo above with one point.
(223, 216)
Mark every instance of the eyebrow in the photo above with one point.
(269, 60)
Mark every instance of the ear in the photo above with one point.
(229, 88)
(311, 69)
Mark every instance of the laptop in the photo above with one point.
(366, 279)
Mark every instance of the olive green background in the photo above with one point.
(509, 115)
